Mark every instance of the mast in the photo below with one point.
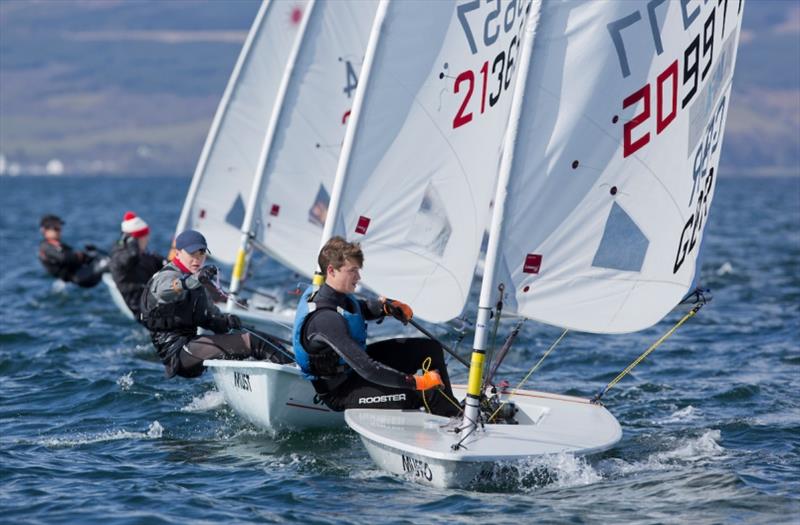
(471, 409)
(247, 224)
(221, 110)
(347, 146)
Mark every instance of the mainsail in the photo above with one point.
(609, 169)
(425, 146)
(616, 160)
(293, 195)
(225, 172)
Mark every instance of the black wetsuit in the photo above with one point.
(62, 262)
(131, 268)
(173, 305)
(381, 377)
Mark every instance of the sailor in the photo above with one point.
(131, 264)
(330, 334)
(84, 268)
(176, 302)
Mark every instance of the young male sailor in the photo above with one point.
(330, 334)
(131, 264)
(176, 302)
(84, 268)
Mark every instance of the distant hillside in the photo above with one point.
(131, 86)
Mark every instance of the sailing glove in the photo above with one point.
(207, 274)
(398, 310)
(428, 380)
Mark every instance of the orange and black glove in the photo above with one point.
(428, 380)
(398, 310)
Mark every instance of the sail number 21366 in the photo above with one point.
(495, 74)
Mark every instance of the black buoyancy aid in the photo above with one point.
(181, 316)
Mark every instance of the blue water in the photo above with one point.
(93, 433)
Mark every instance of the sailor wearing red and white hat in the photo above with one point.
(131, 264)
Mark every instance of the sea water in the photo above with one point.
(92, 432)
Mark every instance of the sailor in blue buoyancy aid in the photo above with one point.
(330, 333)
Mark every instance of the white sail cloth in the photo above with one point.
(426, 147)
(225, 172)
(294, 195)
(615, 163)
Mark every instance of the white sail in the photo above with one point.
(301, 162)
(616, 160)
(225, 172)
(425, 147)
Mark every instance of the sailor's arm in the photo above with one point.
(170, 287)
(330, 329)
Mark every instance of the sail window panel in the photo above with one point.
(623, 246)
(430, 228)
(235, 215)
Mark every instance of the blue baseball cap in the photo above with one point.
(191, 241)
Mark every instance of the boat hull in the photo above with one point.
(271, 396)
(423, 447)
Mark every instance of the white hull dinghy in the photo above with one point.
(430, 449)
(116, 296)
(606, 123)
(272, 396)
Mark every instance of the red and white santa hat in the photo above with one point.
(134, 226)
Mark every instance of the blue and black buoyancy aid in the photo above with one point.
(326, 363)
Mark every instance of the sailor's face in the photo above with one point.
(192, 261)
(344, 279)
(52, 233)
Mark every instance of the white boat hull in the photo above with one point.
(116, 296)
(420, 446)
(271, 396)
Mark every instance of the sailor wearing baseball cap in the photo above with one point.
(177, 301)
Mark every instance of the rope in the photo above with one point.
(601, 393)
(270, 343)
(426, 364)
(552, 347)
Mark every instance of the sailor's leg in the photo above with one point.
(356, 392)
(407, 354)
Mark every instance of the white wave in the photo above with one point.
(679, 416)
(125, 382)
(703, 448)
(725, 269)
(784, 418)
(208, 401)
(154, 431)
(59, 286)
(556, 470)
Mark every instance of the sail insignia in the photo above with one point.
(319, 210)
(623, 245)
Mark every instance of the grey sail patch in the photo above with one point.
(319, 209)
(431, 228)
(623, 245)
(235, 216)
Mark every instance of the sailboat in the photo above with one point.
(611, 155)
(290, 189)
